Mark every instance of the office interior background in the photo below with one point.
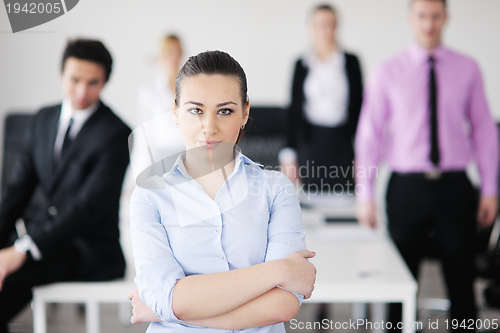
(264, 36)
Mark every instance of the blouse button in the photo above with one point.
(221, 257)
(217, 231)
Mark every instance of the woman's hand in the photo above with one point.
(141, 313)
(300, 274)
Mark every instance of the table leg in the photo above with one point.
(39, 316)
(358, 311)
(92, 313)
(410, 314)
(379, 314)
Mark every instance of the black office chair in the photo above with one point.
(265, 135)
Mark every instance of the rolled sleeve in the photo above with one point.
(484, 135)
(368, 141)
(157, 269)
(285, 233)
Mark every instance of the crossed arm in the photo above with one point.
(241, 298)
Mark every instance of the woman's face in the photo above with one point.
(210, 113)
(323, 27)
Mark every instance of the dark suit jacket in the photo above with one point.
(81, 194)
(298, 126)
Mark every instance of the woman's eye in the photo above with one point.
(225, 112)
(195, 111)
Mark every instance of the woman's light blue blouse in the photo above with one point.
(178, 230)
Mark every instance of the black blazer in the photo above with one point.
(298, 128)
(81, 194)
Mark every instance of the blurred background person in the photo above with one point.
(160, 137)
(157, 98)
(326, 100)
(426, 109)
(76, 154)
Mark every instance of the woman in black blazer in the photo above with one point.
(326, 100)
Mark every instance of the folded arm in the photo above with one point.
(273, 307)
(209, 295)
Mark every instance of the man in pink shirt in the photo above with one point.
(425, 111)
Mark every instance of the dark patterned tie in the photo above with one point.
(433, 108)
(67, 142)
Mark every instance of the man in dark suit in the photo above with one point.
(75, 154)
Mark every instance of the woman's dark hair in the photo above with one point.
(91, 50)
(212, 63)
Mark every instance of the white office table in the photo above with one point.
(332, 206)
(359, 265)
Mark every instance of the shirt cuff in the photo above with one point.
(25, 244)
(160, 291)
(299, 296)
(489, 190)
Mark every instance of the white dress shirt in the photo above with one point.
(326, 90)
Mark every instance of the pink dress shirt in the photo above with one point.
(395, 119)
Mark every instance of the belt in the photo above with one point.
(435, 174)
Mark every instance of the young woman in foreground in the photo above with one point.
(222, 245)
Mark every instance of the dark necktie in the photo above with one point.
(67, 142)
(433, 108)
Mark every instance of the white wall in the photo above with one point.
(264, 35)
